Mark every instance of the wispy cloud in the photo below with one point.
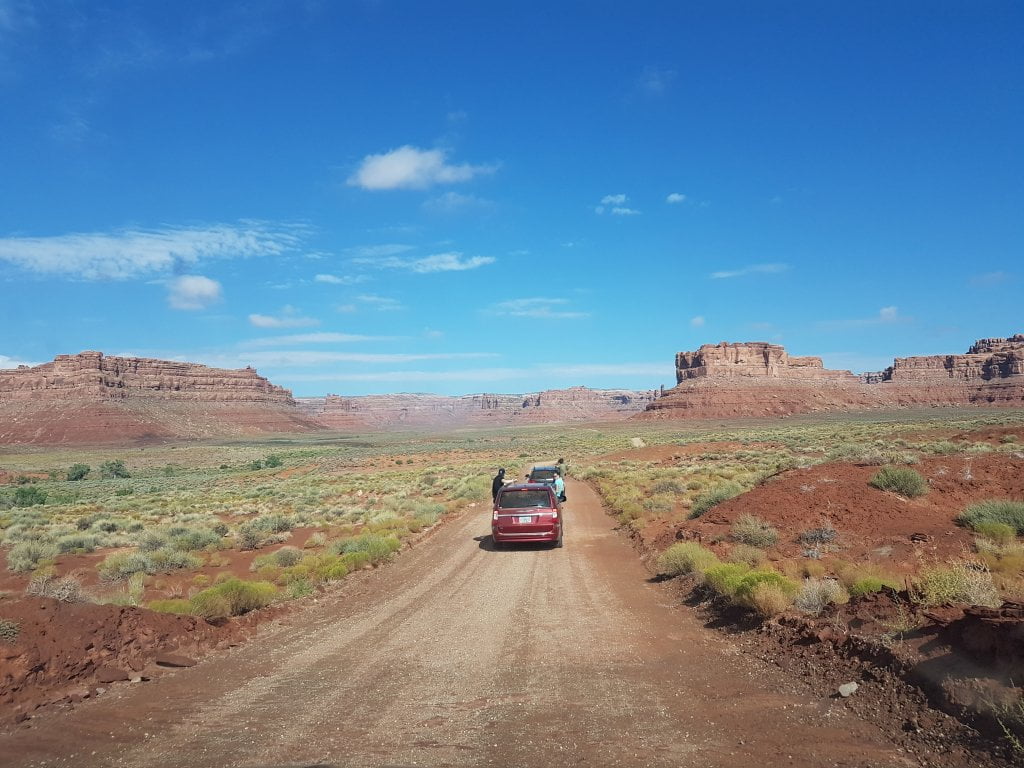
(451, 203)
(452, 261)
(616, 206)
(379, 303)
(313, 338)
(378, 251)
(341, 279)
(536, 307)
(13, 362)
(885, 316)
(289, 318)
(697, 322)
(991, 279)
(675, 198)
(654, 81)
(753, 269)
(193, 292)
(305, 357)
(496, 374)
(409, 167)
(130, 253)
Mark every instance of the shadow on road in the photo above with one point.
(487, 544)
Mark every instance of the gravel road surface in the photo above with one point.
(459, 655)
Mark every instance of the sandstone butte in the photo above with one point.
(757, 379)
(94, 398)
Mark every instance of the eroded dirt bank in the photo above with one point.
(459, 655)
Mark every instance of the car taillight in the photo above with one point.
(494, 516)
(554, 514)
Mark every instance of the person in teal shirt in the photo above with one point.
(559, 487)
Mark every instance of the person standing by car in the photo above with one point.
(497, 482)
(559, 486)
(560, 464)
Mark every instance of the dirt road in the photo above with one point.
(460, 655)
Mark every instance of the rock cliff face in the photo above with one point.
(757, 379)
(410, 410)
(93, 398)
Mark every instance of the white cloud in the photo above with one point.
(313, 338)
(453, 202)
(655, 80)
(285, 358)
(13, 362)
(341, 279)
(379, 303)
(697, 322)
(377, 251)
(289, 318)
(618, 206)
(991, 279)
(675, 198)
(346, 308)
(409, 167)
(193, 292)
(885, 316)
(498, 374)
(452, 261)
(536, 307)
(130, 253)
(753, 269)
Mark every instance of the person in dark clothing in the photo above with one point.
(497, 482)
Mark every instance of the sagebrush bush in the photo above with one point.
(78, 472)
(287, 556)
(900, 480)
(751, 581)
(26, 555)
(815, 594)
(1003, 511)
(867, 586)
(376, 547)
(76, 542)
(825, 534)
(29, 496)
(754, 532)
(1000, 534)
(9, 630)
(66, 589)
(769, 600)
(744, 553)
(959, 581)
(716, 495)
(685, 557)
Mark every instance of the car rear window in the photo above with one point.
(525, 498)
(542, 474)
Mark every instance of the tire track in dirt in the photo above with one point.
(460, 655)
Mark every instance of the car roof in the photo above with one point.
(552, 467)
(526, 487)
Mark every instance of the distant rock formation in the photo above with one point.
(757, 379)
(94, 398)
(415, 410)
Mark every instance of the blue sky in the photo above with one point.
(456, 197)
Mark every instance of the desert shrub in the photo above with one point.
(248, 538)
(153, 540)
(658, 505)
(26, 555)
(725, 578)
(867, 585)
(29, 496)
(9, 630)
(192, 540)
(998, 533)
(76, 542)
(316, 540)
(299, 588)
(274, 523)
(812, 537)
(900, 480)
(376, 547)
(232, 597)
(272, 461)
(769, 600)
(172, 605)
(744, 553)
(754, 532)
(685, 557)
(78, 471)
(959, 581)
(66, 589)
(751, 581)
(668, 486)
(287, 556)
(1004, 511)
(114, 468)
(355, 560)
(163, 560)
(815, 594)
(120, 565)
(716, 495)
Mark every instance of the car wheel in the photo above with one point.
(558, 544)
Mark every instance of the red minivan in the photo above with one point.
(527, 512)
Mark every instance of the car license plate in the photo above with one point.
(524, 519)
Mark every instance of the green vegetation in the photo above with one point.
(900, 480)
(114, 468)
(29, 496)
(960, 581)
(232, 597)
(1001, 511)
(78, 472)
(754, 532)
(685, 557)
(716, 495)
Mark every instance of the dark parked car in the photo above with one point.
(544, 474)
(527, 512)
